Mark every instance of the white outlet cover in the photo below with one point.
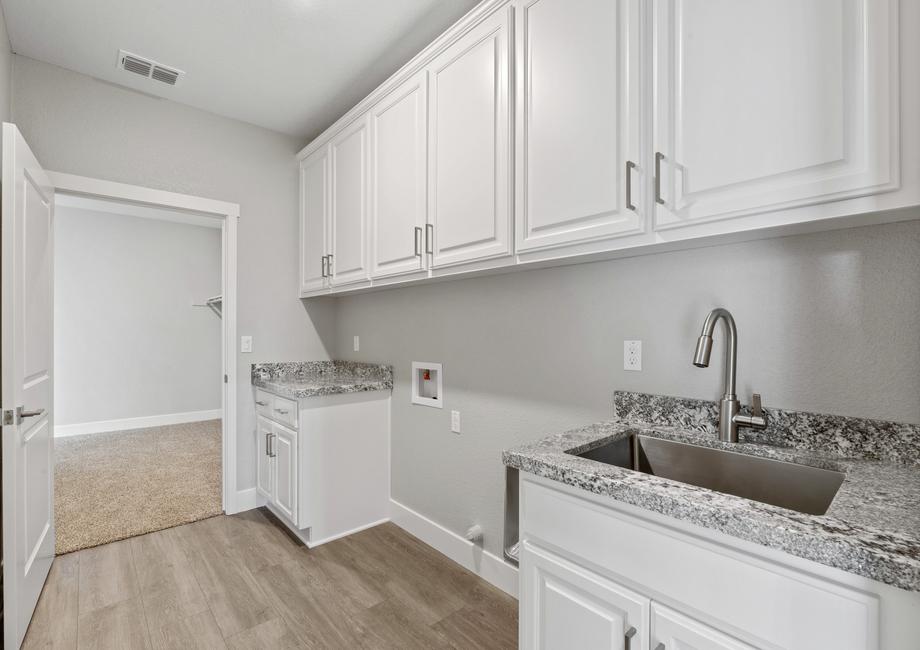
(357, 343)
(455, 421)
(632, 355)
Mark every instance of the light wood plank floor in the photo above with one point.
(242, 582)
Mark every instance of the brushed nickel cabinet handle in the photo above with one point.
(261, 403)
(429, 238)
(329, 266)
(658, 158)
(322, 265)
(630, 633)
(417, 234)
(268, 444)
(282, 411)
(630, 165)
(271, 446)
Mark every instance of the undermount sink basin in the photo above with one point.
(796, 487)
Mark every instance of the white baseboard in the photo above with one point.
(242, 501)
(314, 544)
(487, 566)
(124, 424)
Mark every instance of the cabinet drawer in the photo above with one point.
(285, 411)
(264, 402)
(765, 603)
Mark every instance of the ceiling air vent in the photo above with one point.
(147, 68)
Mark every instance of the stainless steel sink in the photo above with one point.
(787, 485)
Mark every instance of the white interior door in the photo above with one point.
(28, 446)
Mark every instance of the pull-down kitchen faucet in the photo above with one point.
(729, 417)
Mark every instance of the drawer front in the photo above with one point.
(284, 411)
(765, 603)
(264, 402)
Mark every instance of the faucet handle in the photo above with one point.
(756, 408)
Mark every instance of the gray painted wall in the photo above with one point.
(127, 341)
(828, 322)
(6, 70)
(79, 125)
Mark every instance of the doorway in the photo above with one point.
(146, 442)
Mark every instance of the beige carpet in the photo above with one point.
(110, 486)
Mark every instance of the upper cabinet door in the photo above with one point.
(769, 104)
(314, 217)
(469, 146)
(349, 153)
(577, 121)
(398, 173)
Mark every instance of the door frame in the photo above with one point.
(229, 213)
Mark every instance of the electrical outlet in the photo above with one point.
(455, 421)
(357, 343)
(632, 355)
(245, 344)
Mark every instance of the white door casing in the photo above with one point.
(578, 122)
(27, 364)
(769, 104)
(398, 169)
(469, 143)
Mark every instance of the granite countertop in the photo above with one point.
(871, 529)
(299, 379)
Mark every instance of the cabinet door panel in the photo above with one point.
(314, 216)
(577, 121)
(565, 606)
(349, 203)
(284, 450)
(678, 632)
(469, 182)
(264, 465)
(768, 104)
(398, 174)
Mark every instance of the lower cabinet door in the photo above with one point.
(671, 630)
(564, 606)
(284, 457)
(264, 466)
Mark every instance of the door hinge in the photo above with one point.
(9, 417)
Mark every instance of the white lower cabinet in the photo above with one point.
(597, 573)
(672, 630)
(324, 462)
(566, 606)
(277, 467)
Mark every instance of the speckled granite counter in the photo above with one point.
(318, 378)
(871, 529)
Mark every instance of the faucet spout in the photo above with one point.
(730, 417)
(704, 348)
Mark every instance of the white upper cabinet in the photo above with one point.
(469, 182)
(314, 218)
(398, 210)
(763, 105)
(349, 156)
(577, 120)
